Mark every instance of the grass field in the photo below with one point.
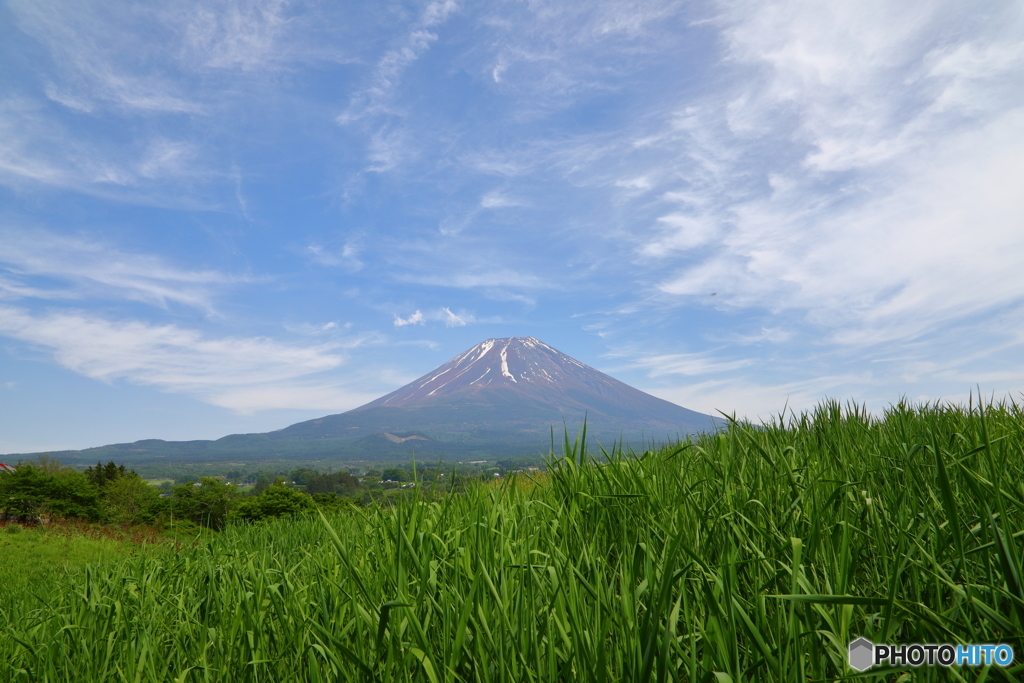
(34, 559)
(752, 555)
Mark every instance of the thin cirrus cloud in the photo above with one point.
(142, 58)
(688, 364)
(153, 170)
(38, 147)
(241, 374)
(92, 71)
(375, 106)
(923, 229)
(378, 96)
(494, 284)
(346, 257)
(168, 75)
(498, 200)
(749, 175)
(88, 268)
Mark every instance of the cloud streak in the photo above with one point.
(377, 98)
(376, 108)
(97, 270)
(239, 373)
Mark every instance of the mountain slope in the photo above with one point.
(513, 385)
(502, 397)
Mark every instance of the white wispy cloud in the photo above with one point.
(346, 256)
(771, 335)
(497, 199)
(80, 40)
(846, 163)
(487, 279)
(452, 320)
(687, 364)
(239, 373)
(235, 34)
(317, 329)
(90, 268)
(139, 58)
(39, 147)
(169, 75)
(443, 314)
(748, 398)
(550, 54)
(415, 319)
(680, 233)
(378, 97)
(890, 214)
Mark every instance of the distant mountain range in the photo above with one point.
(500, 398)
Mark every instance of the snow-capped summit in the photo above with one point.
(524, 364)
(521, 383)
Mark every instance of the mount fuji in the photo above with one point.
(502, 397)
(521, 382)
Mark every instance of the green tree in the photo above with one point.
(49, 464)
(341, 483)
(130, 500)
(32, 490)
(331, 502)
(303, 475)
(394, 474)
(265, 481)
(276, 501)
(102, 475)
(207, 503)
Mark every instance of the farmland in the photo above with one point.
(755, 554)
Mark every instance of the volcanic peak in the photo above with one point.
(524, 364)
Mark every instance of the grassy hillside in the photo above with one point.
(756, 554)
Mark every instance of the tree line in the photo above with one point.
(112, 493)
(45, 489)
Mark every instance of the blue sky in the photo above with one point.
(230, 216)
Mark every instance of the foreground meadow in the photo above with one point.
(756, 554)
(35, 560)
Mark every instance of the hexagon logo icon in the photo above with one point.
(862, 654)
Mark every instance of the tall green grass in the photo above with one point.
(36, 559)
(755, 554)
